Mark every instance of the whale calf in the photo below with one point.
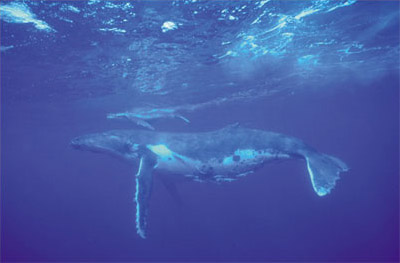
(141, 116)
(218, 156)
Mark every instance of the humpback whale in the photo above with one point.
(141, 116)
(223, 155)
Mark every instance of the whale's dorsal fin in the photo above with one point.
(232, 126)
(144, 183)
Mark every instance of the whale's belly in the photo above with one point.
(177, 166)
(242, 162)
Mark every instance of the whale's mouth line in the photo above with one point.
(75, 144)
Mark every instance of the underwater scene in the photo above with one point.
(200, 131)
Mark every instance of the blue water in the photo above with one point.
(323, 71)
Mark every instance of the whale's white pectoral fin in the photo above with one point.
(145, 124)
(182, 118)
(144, 183)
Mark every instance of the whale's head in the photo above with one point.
(114, 143)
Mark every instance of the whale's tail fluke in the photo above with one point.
(324, 171)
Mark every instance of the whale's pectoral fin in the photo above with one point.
(182, 118)
(324, 171)
(144, 183)
(144, 124)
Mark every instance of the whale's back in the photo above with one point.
(221, 143)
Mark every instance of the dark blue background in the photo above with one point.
(58, 204)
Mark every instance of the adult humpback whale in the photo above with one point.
(222, 155)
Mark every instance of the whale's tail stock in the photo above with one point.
(324, 171)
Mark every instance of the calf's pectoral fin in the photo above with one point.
(144, 183)
(145, 124)
(182, 118)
